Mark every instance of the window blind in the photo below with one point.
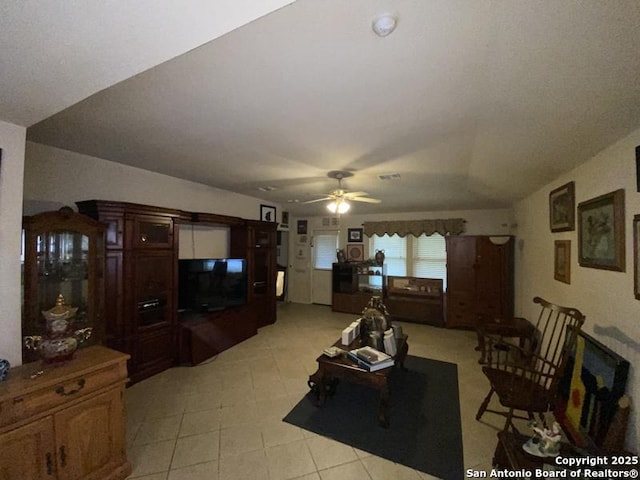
(324, 247)
(395, 253)
(430, 257)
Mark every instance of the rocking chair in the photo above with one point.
(525, 376)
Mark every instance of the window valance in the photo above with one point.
(443, 226)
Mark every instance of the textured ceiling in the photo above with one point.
(474, 104)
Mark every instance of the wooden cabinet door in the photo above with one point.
(28, 452)
(461, 281)
(116, 327)
(149, 231)
(494, 278)
(461, 264)
(90, 437)
(115, 230)
(263, 271)
(152, 288)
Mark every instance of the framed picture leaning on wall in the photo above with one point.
(601, 232)
(355, 252)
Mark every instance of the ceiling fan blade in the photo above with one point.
(365, 199)
(318, 200)
(355, 194)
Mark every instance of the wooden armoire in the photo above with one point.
(479, 279)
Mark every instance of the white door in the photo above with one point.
(325, 244)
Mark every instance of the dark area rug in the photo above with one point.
(425, 430)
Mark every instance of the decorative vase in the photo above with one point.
(374, 322)
(379, 257)
(60, 340)
(340, 255)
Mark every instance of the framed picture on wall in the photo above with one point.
(562, 260)
(285, 220)
(355, 252)
(354, 234)
(562, 204)
(267, 213)
(636, 259)
(601, 232)
(638, 168)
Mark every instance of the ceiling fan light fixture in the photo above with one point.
(339, 206)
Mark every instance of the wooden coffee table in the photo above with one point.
(330, 370)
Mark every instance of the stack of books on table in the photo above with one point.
(370, 359)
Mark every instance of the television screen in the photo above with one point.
(206, 285)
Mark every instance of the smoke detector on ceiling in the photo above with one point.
(384, 24)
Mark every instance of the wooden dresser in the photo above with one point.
(479, 279)
(67, 423)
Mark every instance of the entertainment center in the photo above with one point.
(142, 285)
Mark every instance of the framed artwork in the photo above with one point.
(638, 168)
(562, 260)
(267, 213)
(302, 239)
(562, 204)
(355, 252)
(600, 376)
(601, 232)
(354, 234)
(285, 220)
(302, 227)
(636, 259)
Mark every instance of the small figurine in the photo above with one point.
(546, 443)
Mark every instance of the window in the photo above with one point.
(395, 253)
(423, 256)
(325, 245)
(430, 257)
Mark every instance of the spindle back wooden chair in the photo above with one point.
(525, 376)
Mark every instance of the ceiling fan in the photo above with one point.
(339, 198)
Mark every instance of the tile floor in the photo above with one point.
(222, 420)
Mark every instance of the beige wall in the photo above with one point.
(12, 139)
(605, 297)
(197, 241)
(55, 177)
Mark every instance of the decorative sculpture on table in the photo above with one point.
(374, 323)
(60, 341)
(546, 443)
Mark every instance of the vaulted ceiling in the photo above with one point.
(472, 104)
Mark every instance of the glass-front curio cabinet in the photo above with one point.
(62, 254)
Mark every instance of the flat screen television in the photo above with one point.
(211, 284)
